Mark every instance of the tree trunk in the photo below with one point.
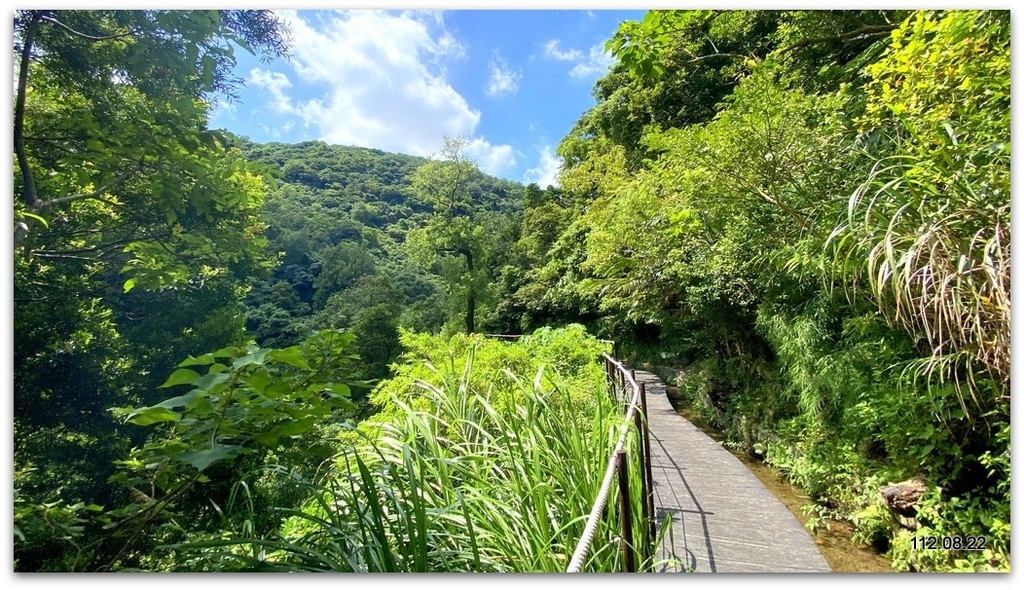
(28, 185)
(470, 296)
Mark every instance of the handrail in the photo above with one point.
(583, 546)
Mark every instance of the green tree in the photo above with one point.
(454, 242)
(340, 267)
(133, 226)
(242, 408)
(114, 102)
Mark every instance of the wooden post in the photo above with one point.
(641, 429)
(624, 511)
(628, 401)
(608, 368)
(648, 477)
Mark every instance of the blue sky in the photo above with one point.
(511, 82)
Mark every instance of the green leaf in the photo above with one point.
(152, 415)
(181, 377)
(259, 380)
(210, 380)
(340, 389)
(205, 359)
(298, 426)
(129, 284)
(290, 356)
(33, 216)
(278, 388)
(181, 400)
(226, 352)
(203, 459)
(255, 358)
(244, 45)
(270, 438)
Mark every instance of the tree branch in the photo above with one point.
(711, 55)
(861, 33)
(96, 194)
(52, 20)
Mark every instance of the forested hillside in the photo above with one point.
(235, 356)
(347, 225)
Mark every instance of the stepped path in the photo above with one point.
(723, 519)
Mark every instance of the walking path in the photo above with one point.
(723, 519)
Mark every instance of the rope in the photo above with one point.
(583, 546)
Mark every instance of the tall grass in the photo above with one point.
(929, 229)
(459, 475)
(939, 267)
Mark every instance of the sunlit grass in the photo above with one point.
(460, 476)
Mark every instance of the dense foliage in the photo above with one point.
(823, 242)
(135, 230)
(261, 357)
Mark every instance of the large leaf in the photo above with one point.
(290, 356)
(253, 358)
(203, 459)
(181, 400)
(153, 415)
(205, 359)
(181, 377)
(210, 380)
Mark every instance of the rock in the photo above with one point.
(902, 499)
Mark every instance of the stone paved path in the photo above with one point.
(723, 518)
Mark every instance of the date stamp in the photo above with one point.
(943, 543)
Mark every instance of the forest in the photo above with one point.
(241, 356)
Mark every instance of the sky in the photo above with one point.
(510, 82)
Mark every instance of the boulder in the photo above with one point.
(902, 498)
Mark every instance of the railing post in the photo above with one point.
(648, 477)
(624, 511)
(608, 371)
(645, 511)
(632, 377)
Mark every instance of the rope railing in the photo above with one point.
(636, 412)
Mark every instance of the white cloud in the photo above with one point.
(380, 79)
(272, 132)
(225, 107)
(596, 64)
(546, 172)
(492, 159)
(503, 80)
(275, 83)
(552, 49)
